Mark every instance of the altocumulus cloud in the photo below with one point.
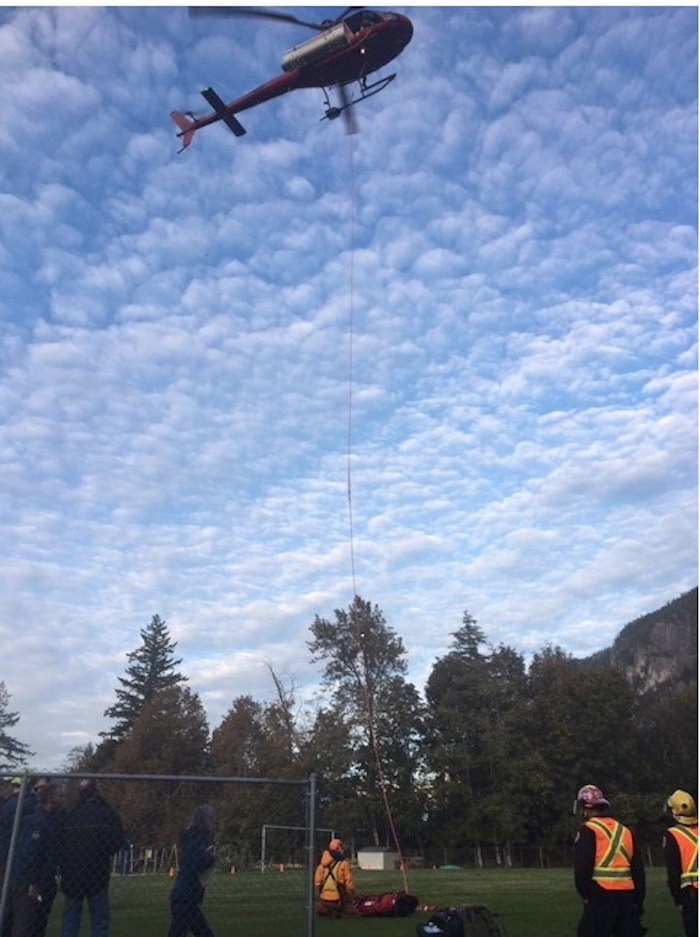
(480, 311)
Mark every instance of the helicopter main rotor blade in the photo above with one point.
(253, 12)
(345, 12)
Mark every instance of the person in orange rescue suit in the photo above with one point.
(608, 871)
(334, 882)
(680, 844)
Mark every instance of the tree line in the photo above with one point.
(491, 753)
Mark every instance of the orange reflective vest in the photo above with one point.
(613, 854)
(687, 839)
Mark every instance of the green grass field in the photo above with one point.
(532, 902)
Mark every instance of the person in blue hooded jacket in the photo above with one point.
(197, 859)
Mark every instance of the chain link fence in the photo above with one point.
(137, 851)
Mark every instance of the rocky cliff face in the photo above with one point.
(659, 650)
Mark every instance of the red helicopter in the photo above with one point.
(344, 51)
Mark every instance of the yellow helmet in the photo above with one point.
(682, 806)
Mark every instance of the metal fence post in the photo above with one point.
(12, 847)
(311, 862)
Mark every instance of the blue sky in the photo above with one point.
(494, 283)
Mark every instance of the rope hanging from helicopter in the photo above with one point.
(351, 361)
(357, 625)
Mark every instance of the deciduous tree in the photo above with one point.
(364, 677)
(256, 741)
(578, 727)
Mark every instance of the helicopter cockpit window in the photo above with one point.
(361, 20)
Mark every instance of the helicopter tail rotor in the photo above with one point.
(186, 126)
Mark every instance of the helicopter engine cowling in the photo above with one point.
(306, 53)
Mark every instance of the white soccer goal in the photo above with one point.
(276, 826)
(155, 810)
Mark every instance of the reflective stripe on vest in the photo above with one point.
(687, 839)
(613, 854)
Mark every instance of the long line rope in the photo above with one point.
(351, 364)
(359, 636)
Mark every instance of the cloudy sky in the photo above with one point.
(448, 363)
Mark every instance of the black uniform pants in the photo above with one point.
(690, 911)
(614, 914)
(188, 918)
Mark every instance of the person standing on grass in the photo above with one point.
(8, 809)
(680, 844)
(91, 833)
(36, 863)
(608, 871)
(17, 900)
(197, 859)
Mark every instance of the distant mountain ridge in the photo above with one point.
(657, 651)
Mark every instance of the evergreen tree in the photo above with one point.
(151, 669)
(471, 694)
(169, 736)
(12, 751)
(468, 639)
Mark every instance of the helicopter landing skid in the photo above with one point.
(366, 91)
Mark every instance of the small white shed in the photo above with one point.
(377, 857)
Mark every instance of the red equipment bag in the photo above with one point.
(387, 904)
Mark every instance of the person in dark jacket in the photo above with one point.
(197, 860)
(7, 821)
(608, 871)
(92, 833)
(45, 866)
(33, 877)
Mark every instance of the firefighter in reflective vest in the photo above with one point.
(608, 871)
(681, 853)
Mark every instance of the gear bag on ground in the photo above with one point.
(464, 920)
(387, 904)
